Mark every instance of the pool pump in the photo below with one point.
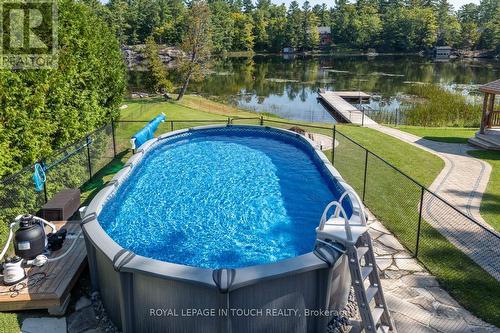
(31, 244)
(30, 239)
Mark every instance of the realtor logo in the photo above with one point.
(28, 34)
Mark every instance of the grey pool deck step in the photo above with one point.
(354, 237)
(486, 141)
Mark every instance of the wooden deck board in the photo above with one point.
(344, 109)
(353, 94)
(61, 276)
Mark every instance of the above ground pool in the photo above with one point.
(221, 218)
(220, 199)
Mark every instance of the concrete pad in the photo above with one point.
(405, 324)
(44, 325)
(408, 264)
(391, 241)
(398, 305)
(421, 281)
(449, 325)
(379, 227)
(383, 262)
(443, 297)
(381, 249)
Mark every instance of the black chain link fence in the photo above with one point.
(69, 167)
(384, 116)
(460, 251)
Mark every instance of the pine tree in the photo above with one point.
(158, 81)
(197, 45)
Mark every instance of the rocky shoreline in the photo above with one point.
(135, 60)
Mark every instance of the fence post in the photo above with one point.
(364, 178)
(229, 120)
(261, 120)
(419, 220)
(171, 126)
(45, 191)
(333, 145)
(113, 135)
(88, 157)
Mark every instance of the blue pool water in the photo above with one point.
(220, 201)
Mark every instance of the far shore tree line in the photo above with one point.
(244, 25)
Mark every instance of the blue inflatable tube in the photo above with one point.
(148, 131)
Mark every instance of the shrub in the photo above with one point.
(440, 108)
(42, 110)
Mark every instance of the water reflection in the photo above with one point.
(287, 86)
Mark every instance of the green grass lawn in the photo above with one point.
(490, 203)
(9, 323)
(441, 134)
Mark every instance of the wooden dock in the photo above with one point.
(336, 100)
(49, 286)
(353, 95)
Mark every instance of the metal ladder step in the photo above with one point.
(377, 313)
(362, 251)
(366, 271)
(383, 329)
(362, 264)
(370, 293)
(358, 326)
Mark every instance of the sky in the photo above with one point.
(456, 3)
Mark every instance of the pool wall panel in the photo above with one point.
(109, 287)
(297, 293)
(151, 293)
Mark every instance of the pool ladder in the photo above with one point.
(355, 239)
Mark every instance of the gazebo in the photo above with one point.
(490, 117)
(488, 136)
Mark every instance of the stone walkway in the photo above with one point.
(414, 298)
(462, 183)
(463, 179)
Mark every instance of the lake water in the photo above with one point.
(288, 85)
